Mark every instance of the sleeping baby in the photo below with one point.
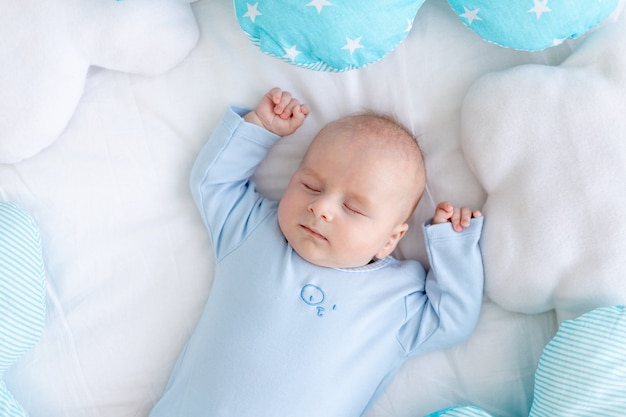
(309, 314)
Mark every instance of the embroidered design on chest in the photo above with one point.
(314, 296)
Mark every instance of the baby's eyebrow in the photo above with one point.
(362, 200)
(312, 170)
(308, 173)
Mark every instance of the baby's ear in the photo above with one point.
(397, 234)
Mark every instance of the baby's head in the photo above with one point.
(350, 198)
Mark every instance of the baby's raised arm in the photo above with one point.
(459, 216)
(278, 112)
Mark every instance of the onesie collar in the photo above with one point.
(372, 266)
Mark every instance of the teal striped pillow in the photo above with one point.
(458, 411)
(582, 371)
(22, 294)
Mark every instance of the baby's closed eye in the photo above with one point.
(353, 209)
(311, 188)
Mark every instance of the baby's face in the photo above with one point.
(346, 204)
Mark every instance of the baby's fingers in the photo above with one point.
(443, 212)
(275, 95)
(284, 106)
(290, 108)
(299, 113)
(457, 219)
(464, 218)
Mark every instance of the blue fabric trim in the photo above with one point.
(22, 294)
(582, 371)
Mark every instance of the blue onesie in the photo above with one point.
(280, 337)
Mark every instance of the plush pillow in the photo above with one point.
(345, 35)
(582, 371)
(22, 294)
(531, 25)
(547, 144)
(50, 46)
(459, 411)
(324, 34)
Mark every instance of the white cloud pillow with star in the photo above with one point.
(340, 35)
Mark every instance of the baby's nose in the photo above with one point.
(322, 207)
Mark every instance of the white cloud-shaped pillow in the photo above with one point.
(48, 47)
(548, 145)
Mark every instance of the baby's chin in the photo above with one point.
(321, 259)
(312, 259)
(330, 263)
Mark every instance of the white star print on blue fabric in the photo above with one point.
(352, 44)
(319, 4)
(340, 35)
(470, 15)
(252, 12)
(409, 25)
(540, 8)
(335, 35)
(291, 53)
(531, 25)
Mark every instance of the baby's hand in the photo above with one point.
(459, 217)
(278, 112)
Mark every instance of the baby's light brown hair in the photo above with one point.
(388, 134)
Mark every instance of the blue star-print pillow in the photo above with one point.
(340, 35)
(531, 25)
(331, 35)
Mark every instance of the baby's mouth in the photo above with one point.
(313, 232)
